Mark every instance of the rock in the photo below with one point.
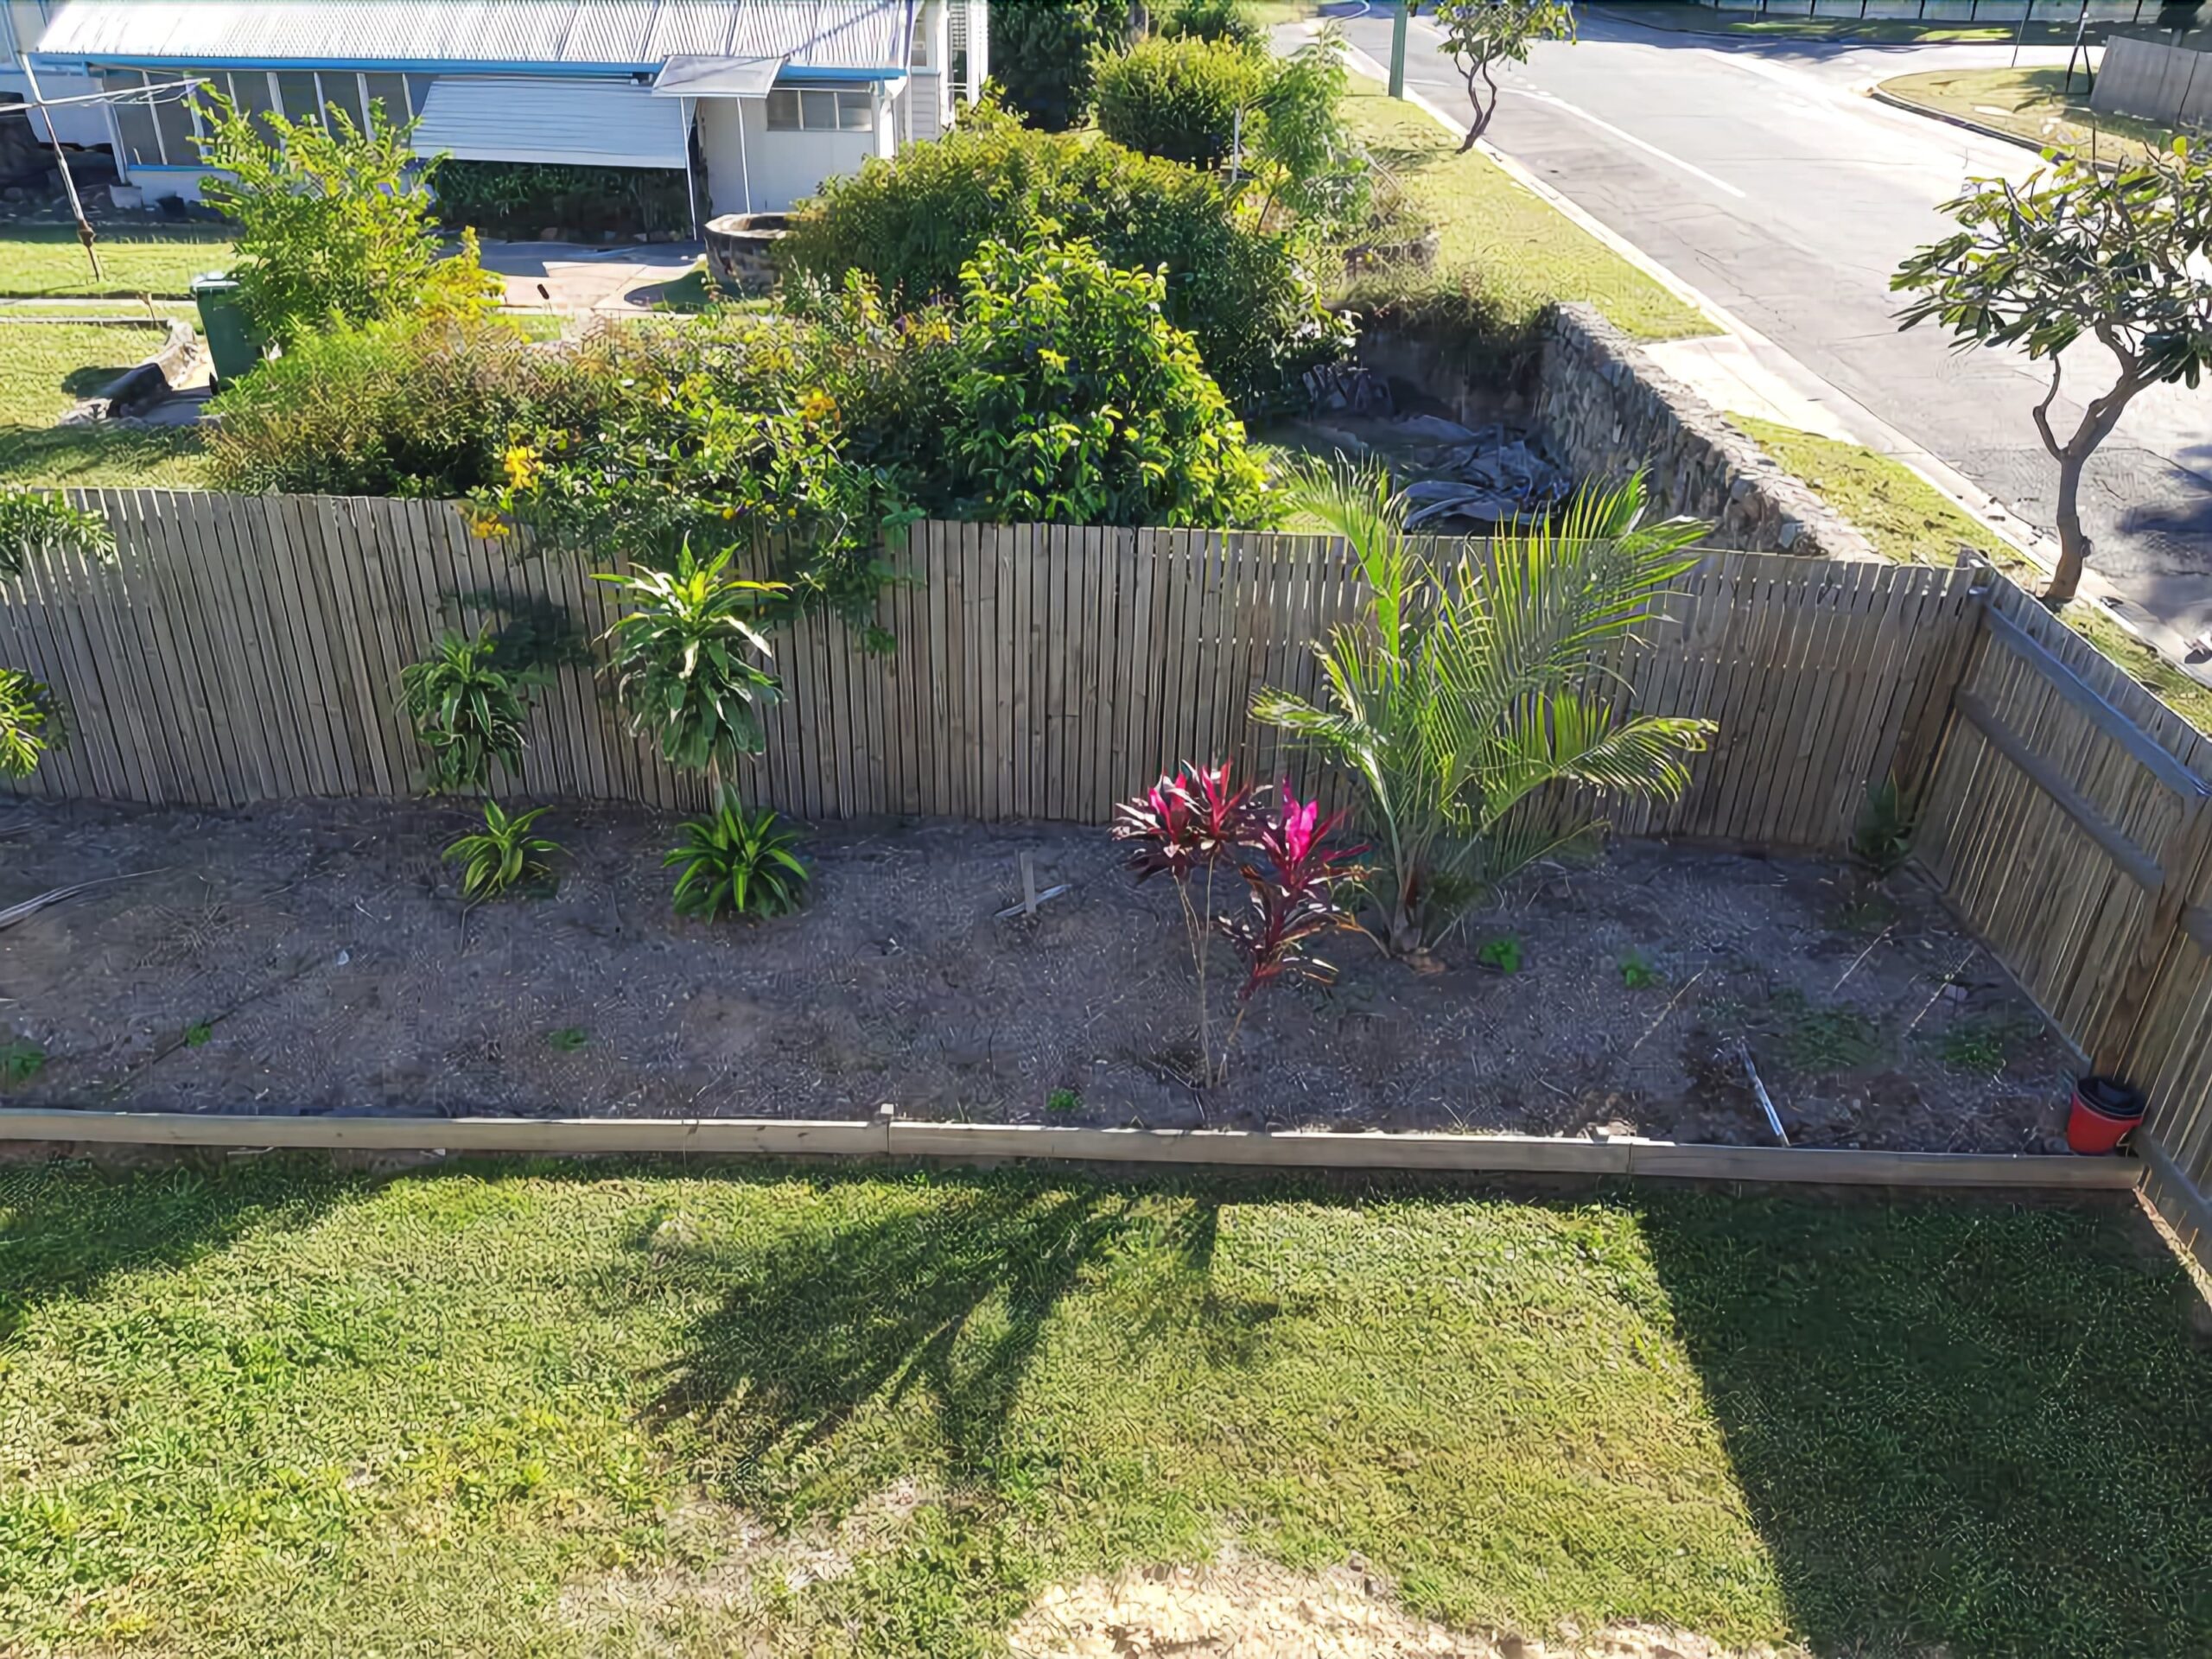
(549, 234)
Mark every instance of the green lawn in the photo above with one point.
(45, 259)
(1506, 253)
(268, 1409)
(2031, 103)
(45, 368)
(1910, 520)
(1780, 26)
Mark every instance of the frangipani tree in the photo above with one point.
(1466, 694)
(2123, 258)
(1480, 34)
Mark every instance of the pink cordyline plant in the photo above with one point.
(1195, 821)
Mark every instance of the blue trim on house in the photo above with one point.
(429, 66)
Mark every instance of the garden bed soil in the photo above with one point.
(317, 958)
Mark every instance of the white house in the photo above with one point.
(757, 101)
(21, 23)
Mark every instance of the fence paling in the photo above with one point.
(2069, 818)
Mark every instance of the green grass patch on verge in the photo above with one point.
(536, 1410)
(1910, 520)
(1506, 253)
(1709, 20)
(45, 260)
(2032, 105)
(45, 368)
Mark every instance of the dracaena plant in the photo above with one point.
(1197, 823)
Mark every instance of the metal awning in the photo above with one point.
(705, 77)
(586, 123)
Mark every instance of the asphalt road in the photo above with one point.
(1761, 176)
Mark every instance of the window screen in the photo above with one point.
(142, 143)
(390, 91)
(251, 88)
(301, 101)
(782, 111)
(820, 110)
(855, 111)
(173, 119)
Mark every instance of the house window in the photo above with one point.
(811, 110)
(172, 120)
(134, 122)
(301, 101)
(390, 91)
(920, 57)
(251, 89)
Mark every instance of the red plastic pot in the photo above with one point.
(2104, 1110)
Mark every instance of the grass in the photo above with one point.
(1910, 520)
(44, 260)
(546, 1411)
(1663, 14)
(45, 368)
(2033, 104)
(1506, 253)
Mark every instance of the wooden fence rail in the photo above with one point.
(243, 649)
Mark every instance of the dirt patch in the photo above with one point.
(317, 958)
(1243, 1608)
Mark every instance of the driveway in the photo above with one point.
(568, 280)
(1759, 175)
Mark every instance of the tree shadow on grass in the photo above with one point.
(948, 1299)
(65, 1228)
(1973, 1428)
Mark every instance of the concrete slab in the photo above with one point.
(562, 279)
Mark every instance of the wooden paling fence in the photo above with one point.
(243, 649)
(2069, 818)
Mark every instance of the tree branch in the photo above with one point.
(2042, 410)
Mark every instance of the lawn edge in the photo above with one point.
(888, 1136)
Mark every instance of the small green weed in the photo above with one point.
(20, 1062)
(1868, 912)
(1824, 1040)
(1063, 1103)
(1502, 953)
(1984, 1044)
(197, 1034)
(1638, 974)
(567, 1039)
(1887, 825)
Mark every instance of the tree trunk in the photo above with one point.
(2074, 546)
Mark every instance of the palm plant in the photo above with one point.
(1465, 704)
(737, 863)
(28, 723)
(503, 853)
(466, 710)
(682, 657)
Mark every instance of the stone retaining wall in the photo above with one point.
(1604, 408)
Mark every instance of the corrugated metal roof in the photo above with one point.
(620, 36)
(513, 118)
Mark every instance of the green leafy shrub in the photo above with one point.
(523, 198)
(1245, 292)
(1209, 20)
(503, 854)
(334, 223)
(29, 725)
(1077, 402)
(727, 435)
(39, 521)
(1180, 99)
(1043, 52)
(466, 710)
(682, 661)
(737, 863)
(1301, 152)
(408, 407)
